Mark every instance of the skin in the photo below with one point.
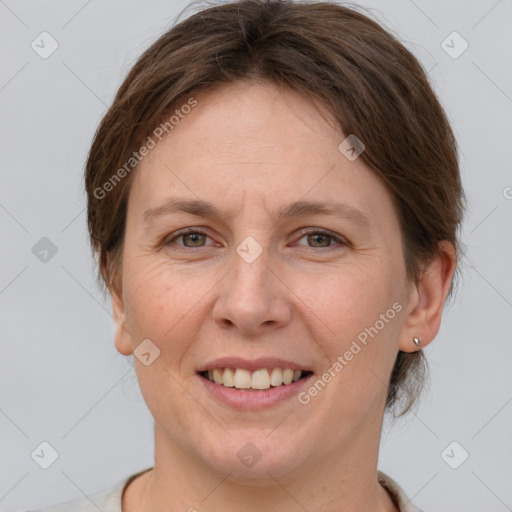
(250, 149)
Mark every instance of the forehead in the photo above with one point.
(240, 121)
(255, 141)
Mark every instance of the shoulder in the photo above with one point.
(402, 501)
(108, 500)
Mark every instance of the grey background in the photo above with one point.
(61, 379)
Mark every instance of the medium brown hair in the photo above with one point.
(374, 87)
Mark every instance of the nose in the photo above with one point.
(252, 298)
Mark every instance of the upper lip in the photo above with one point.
(251, 364)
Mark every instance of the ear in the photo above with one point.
(427, 298)
(122, 339)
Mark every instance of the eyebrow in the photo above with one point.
(297, 209)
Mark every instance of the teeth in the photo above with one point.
(217, 376)
(287, 376)
(276, 377)
(242, 379)
(262, 379)
(228, 378)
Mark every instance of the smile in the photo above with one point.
(257, 380)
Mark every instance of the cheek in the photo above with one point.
(344, 304)
(156, 300)
(161, 306)
(356, 323)
(169, 306)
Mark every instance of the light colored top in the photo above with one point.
(110, 499)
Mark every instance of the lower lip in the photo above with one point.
(252, 400)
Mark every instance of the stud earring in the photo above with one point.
(417, 341)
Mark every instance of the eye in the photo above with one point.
(195, 238)
(321, 239)
(191, 237)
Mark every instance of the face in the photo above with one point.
(295, 262)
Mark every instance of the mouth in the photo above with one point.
(253, 384)
(261, 379)
(256, 380)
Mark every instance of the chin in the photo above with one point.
(253, 460)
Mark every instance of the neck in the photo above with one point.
(346, 482)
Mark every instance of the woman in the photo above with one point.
(274, 199)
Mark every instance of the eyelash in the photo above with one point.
(189, 231)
